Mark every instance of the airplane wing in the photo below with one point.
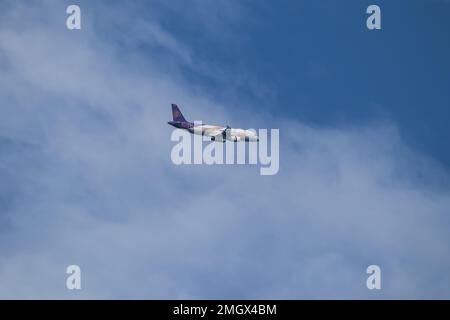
(214, 131)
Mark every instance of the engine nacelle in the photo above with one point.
(218, 139)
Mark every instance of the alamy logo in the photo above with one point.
(374, 280)
(374, 20)
(191, 149)
(73, 281)
(73, 21)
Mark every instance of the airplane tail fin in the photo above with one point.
(176, 114)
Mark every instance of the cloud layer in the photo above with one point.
(86, 178)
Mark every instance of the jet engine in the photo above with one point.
(218, 139)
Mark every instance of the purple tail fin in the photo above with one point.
(176, 114)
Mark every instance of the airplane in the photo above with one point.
(217, 133)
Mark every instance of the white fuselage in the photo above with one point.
(219, 133)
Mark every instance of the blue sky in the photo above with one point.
(326, 67)
(85, 170)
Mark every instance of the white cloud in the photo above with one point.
(85, 157)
